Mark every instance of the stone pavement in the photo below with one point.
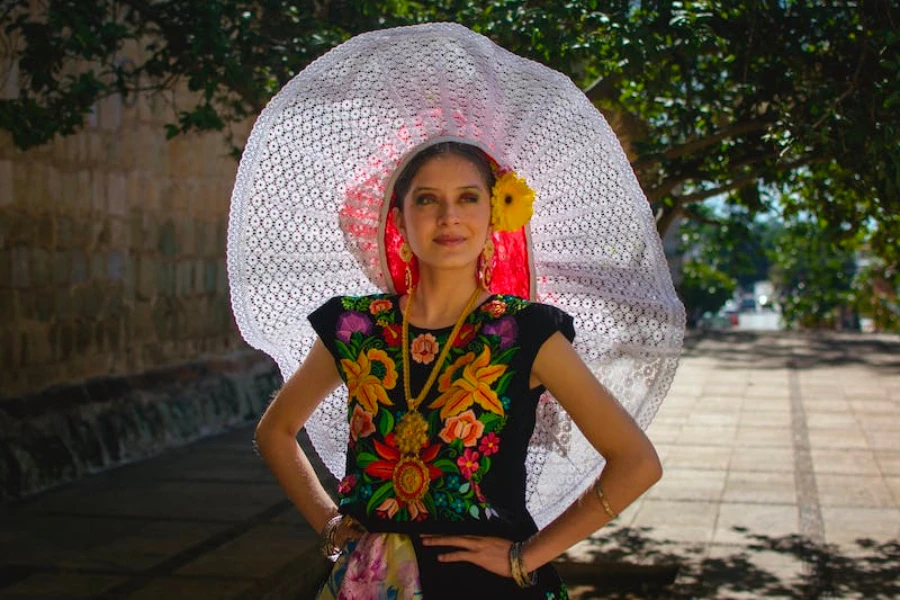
(780, 450)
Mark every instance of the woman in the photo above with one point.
(453, 457)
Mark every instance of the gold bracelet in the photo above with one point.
(520, 575)
(599, 490)
(328, 547)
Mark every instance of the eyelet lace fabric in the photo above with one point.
(304, 226)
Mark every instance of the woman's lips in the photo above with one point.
(449, 240)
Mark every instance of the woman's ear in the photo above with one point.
(397, 216)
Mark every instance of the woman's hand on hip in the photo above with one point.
(489, 553)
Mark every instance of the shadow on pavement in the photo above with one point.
(881, 352)
(761, 569)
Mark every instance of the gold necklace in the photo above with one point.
(411, 478)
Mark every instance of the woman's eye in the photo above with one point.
(424, 199)
(470, 198)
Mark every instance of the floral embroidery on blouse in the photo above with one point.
(458, 432)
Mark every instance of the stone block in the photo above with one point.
(65, 232)
(36, 194)
(41, 268)
(84, 336)
(210, 276)
(151, 192)
(221, 236)
(64, 306)
(136, 230)
(9, 310)
(197, 271)
(130, 276)
(115, 266)
(96, 190)
(222, 277)
(183, 278)
(70, 199)
(98, 267)
(165, 278)
(147, 267)
(117, 194)
(187, 237)
(45, 305)
(110, 112)
(36, 346)
(45, 229)
(118, 232)
(6, 259)
(79, 267)
(61, 271)
(6, 183)
(54, 189)
(9, 350)
(168, 242)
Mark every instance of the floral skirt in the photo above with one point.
(378, 566)
(391, 566)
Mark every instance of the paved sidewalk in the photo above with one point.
(780, 452)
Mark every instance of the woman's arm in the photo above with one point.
(276, 434)
(632, 465)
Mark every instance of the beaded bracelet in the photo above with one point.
(520, 575)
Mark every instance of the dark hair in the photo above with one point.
(467, 151)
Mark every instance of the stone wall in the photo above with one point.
(112, 249)
(114, 307)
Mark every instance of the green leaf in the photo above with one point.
(379, 496)
(364, 459)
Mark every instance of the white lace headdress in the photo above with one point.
(307, 219)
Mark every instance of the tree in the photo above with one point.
(813, 276)
(703, 289)
(798, 96)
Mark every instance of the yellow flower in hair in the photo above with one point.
(511, 203)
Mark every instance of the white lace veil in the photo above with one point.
(300, 231)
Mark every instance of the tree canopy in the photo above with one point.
(753, 99)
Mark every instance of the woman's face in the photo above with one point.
(446, 213)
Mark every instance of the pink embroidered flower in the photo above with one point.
(388, 508)
(424, 348)
(495, 308)
(490, 444)
(361, 423)
(468, 463)
(380, 305)
(463, 426)
(351, 322)
(346, 484)
(505, 328)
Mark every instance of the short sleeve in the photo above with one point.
(537, 323)
(324, 322)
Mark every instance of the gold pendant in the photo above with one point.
(411, 433)
(411, 479)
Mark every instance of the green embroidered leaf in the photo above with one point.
(464, 488)
(473, 510)
(364, 459)
(505, 357)
(503, 383)
(485, 464)
(446, 465)
(343, 350)
(489, 420)
(386, 422)
(380, 495)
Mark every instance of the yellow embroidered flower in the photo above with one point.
(511, 203)
(473, 385)
(369, 377)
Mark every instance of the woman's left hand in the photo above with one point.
(489, 553)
